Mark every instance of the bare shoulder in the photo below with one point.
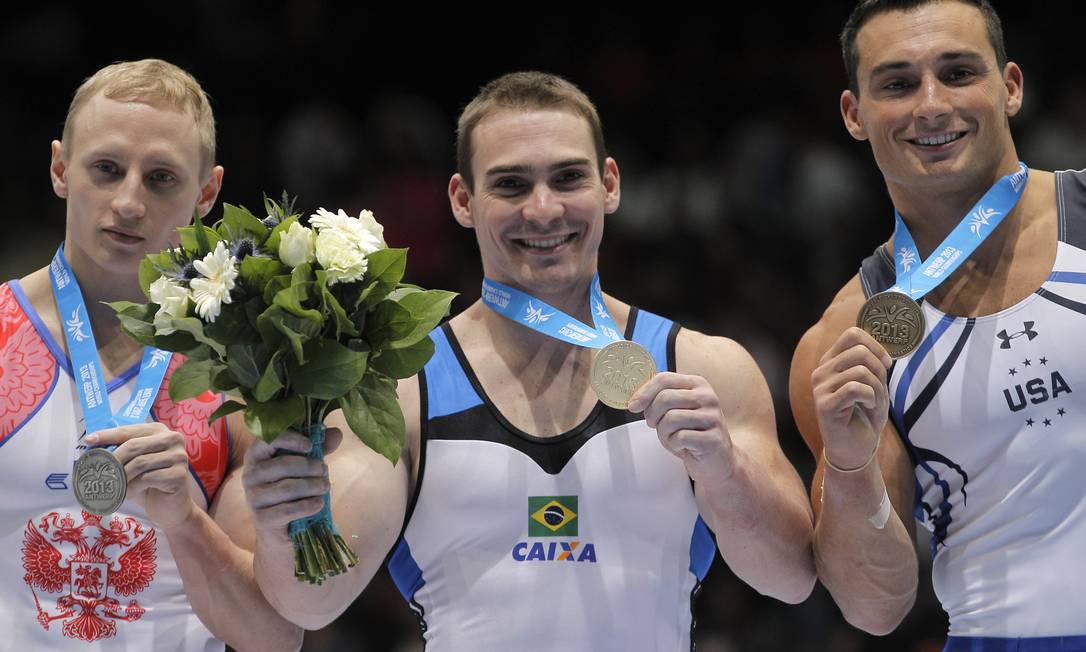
(729, 368)
(837, 318)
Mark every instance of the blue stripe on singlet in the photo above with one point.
(651, 331)
(448, 389)
(702, 549)
(989, 644)
(1068, 277)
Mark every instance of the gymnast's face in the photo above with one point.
(539, 199)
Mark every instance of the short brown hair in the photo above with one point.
(524, 90)
(867, 9)
(151, 81)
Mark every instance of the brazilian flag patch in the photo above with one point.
(552, 516)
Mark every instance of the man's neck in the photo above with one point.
(932, 213)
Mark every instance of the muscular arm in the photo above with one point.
(870, 571)
(369, 502)
(216, 571)
(717, 416)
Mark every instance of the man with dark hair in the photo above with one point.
(976, 427)
(526, 514)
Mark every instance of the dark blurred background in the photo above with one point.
(745, 203)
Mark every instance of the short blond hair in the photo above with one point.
(524, 91)
(151, 81)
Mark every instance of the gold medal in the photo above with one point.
(619, 370)
(99, 482)
(894, 320)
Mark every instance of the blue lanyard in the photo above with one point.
(543, 318)
(87, 370)
(960, 243)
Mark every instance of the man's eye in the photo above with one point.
(896, 85)
(961, 75)
(570, 176)
(161, 177)
(105, 167)
(509, 184)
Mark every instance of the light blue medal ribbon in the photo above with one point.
(544, 318)
(960, 243)
(87, 370)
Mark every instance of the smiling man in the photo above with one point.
(976, 428)
(157, 567)
(526, 514)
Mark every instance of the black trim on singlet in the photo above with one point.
(925, 397)
(1063, 301)
(694, 593)
(413, 499)
(672, 335)
(1071, 206)
(550, 453)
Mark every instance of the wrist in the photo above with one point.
(852, 468)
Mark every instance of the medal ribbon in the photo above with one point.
(87, 370)
(543, 318)
(960, 243)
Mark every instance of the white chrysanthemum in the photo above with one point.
(297, 245)
(173, 303)
(340, 257)
(370, 223)
(212, 289)
(365, 236)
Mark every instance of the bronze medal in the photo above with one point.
(894, 320)
(619, 370)
(99, 482)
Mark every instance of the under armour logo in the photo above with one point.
(1005, 339)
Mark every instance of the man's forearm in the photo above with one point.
(870, 571)
(763, 529)
(221, 586)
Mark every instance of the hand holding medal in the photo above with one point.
(100, 482)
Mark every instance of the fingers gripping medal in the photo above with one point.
(99, 480)
(619, 369)
(894, 318)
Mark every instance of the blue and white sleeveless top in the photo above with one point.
(590, 540)
(993, 413)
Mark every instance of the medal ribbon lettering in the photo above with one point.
(960, 243)
(543, 318)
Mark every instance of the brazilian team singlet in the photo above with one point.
(587, 541)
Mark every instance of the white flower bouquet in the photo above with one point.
(296, 320)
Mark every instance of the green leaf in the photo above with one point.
(149, 272)
(275, 323)
(256, 271)
(386, 268)
(389, 321)
(386, 265)
(191, 379)
(330, 370)
(228, 407)
(429, 307)
(246, 363)
(269, 382)
(330, 306)
(372, 412)
(292, 298)
(231, 326)
(404, 362)
(179, 341)
(136, 320)
(194, 327)
(239, 222)
(224, 381)
(198, 238)
(272, 243)
(267, 420)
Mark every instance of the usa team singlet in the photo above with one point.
(72, 580)
(588, 541)
(993, 413)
